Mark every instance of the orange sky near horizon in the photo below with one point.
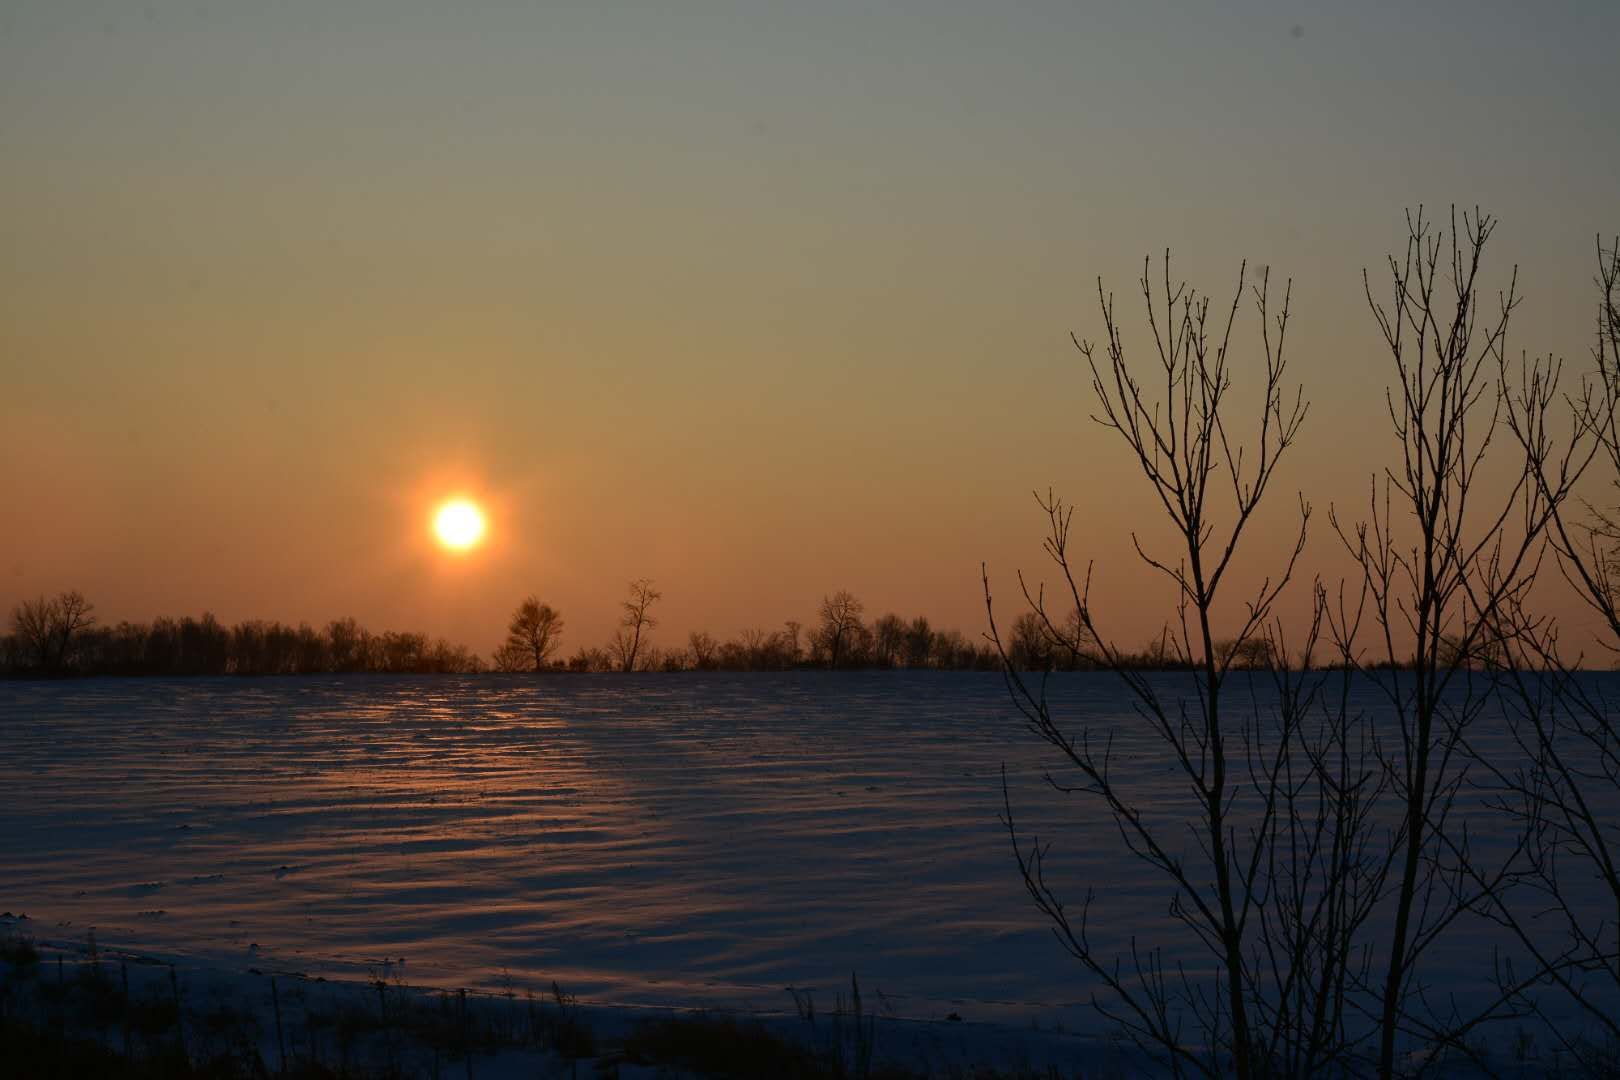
(758, 302)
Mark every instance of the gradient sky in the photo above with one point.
(758, 300)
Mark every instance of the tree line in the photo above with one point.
(840, 638)
(61, 636)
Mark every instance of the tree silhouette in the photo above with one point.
(919, 642)
(1311, 814)
(1175, 418)
(888, 641)
(702, 650)
(1441, 554)
(47, 628)
(635, 623)
(1030, 646)
(534, 632)
(347, 643)
(31, 624)
(1566, 727)
(840, 625)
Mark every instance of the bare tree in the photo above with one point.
(1256, 781)
(1442, 554)
(511, 658)
(1589, 550)
(757, 649)
(919, 642)
(703, 649)
(840, 625)
(1566, 728)
(1030, 645)
(535, 632)
(888, 640)
(346, 643)
(48, 628)
(31, 622)
(74, 614)
(635, 623)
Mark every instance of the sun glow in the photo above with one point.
(459, 524)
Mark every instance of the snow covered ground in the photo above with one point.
(691, 841)
(386, 1026)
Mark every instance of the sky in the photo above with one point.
(758, 300)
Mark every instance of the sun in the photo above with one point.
(459, 524)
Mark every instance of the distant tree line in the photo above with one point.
(61, 636)
(840, 639)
